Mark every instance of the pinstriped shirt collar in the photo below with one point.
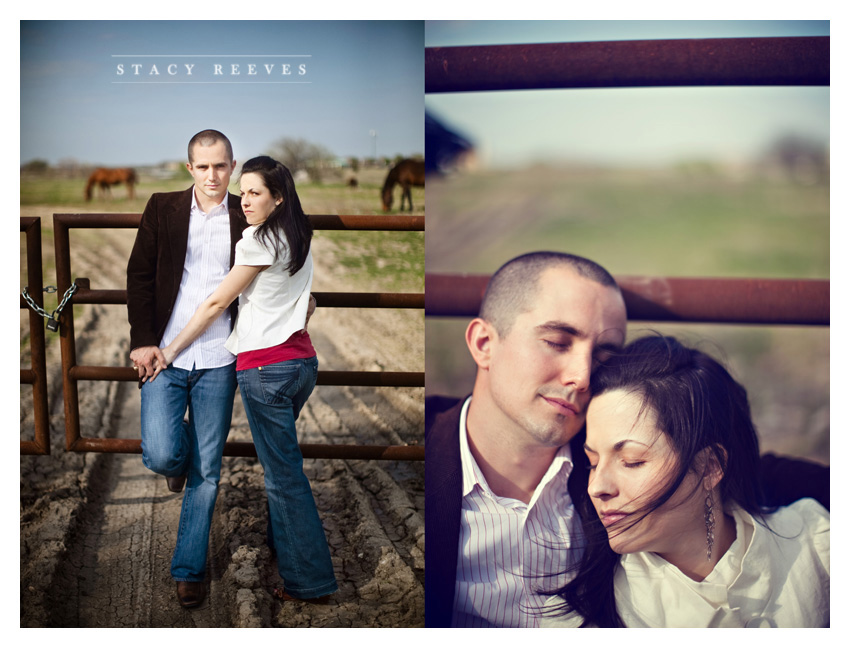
(559, 469)
(196, 208)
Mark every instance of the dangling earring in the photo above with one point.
(709, 524)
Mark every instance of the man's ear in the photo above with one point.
(480, 336)
(713, 461)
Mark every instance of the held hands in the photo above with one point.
(149, 361)
(165, 358)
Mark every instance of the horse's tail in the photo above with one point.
(89, 186)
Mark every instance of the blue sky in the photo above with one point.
(626, 126)
(360, 78)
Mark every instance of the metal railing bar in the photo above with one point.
(86, 295)
(356, 222)
(669, 299)
(326, 378)
(789, 61)
(247, 449)
(36, 375)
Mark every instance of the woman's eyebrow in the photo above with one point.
(617, 446)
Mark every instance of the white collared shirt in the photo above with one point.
(274, 305)
(507, 549)
(775, 577)
(207, 264)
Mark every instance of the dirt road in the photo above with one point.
(98, 530)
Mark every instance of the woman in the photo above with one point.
(676, 537)
(276, 365)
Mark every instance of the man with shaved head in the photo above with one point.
(497, 462)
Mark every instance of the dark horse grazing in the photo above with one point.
(408, 173)
(107, 177)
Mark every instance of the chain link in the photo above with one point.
(55, 315)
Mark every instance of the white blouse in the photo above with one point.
(770, 577)
(275, 305)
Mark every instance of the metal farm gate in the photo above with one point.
(79, 291)
(802, 61)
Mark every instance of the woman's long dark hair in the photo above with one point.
(699, 406)
(287, 225)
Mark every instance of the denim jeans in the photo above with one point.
(172, 447)
(273, 396)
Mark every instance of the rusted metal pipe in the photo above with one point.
(36, 375)
(669, 299)
(791, 61)
(247, 449)
(85, 295)
(337, 378)
(356, 222)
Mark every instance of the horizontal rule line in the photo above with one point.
(208, 82)
(210, 55)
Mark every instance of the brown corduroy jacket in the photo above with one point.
(156, 262)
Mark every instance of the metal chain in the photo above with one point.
(54, 317)
(38, 309)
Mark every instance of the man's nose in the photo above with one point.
(576, 370)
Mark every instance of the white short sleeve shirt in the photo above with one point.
(275, 305)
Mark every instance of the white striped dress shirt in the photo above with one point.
(507, 549)
(207, 264)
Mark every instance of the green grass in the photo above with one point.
(392, 260)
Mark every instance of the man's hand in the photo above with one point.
(145, 359)
(310, 310)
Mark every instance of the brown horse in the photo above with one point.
(107, 177)
(408, 173)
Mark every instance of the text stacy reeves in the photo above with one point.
(217, 69)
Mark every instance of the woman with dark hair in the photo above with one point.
(675, 533)
(276, 365)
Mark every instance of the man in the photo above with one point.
(499, 516)
(183, 250)
(497, 463)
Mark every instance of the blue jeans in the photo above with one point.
(273, 396)
(172, 447)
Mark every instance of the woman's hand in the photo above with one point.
(166, 357)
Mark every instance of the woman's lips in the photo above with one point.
(611, 517)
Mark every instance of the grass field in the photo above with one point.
(656, 223)
(380, 261)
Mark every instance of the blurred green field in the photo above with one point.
(658, 223)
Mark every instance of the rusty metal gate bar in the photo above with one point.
(72, 373)
(657, 63)
(787, 61)
(801, 302)
(36, 375)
